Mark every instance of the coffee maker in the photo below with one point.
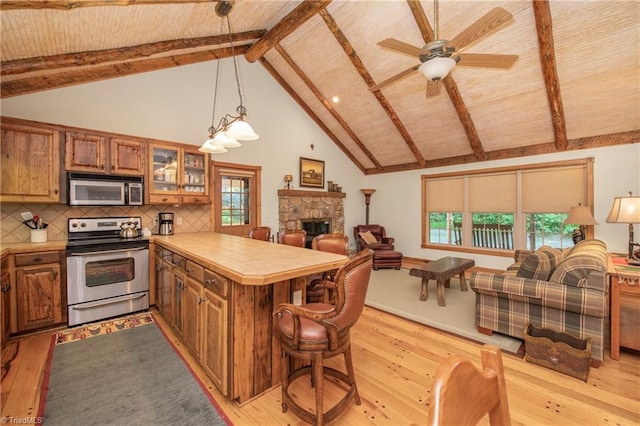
(166, 223)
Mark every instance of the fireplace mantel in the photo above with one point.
(299, 193)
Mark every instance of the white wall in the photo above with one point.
(175, 105)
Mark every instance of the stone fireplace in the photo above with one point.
(314, 208)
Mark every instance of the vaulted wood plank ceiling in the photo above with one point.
(574, 85)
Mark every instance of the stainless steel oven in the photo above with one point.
(107, 275)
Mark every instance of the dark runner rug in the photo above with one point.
(132, 376)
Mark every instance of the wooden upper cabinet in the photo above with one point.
(99, 154)
(177, 175)
(127, 157)
(30, 164)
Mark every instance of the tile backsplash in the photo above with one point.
(195, 218)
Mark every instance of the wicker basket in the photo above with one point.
(558, 351)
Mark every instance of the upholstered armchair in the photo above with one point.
(372, 237)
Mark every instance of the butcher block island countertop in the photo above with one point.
(250, 262)
(227, 322)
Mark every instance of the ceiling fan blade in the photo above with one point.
(433, 88)
(487, 60)
(401, 46)
(495, 20)
(394, 78)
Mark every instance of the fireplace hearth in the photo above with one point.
(315, 227)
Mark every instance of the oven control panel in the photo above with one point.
(92, 224)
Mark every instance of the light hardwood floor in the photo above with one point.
(395, 361)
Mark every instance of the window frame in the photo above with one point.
(519, 226)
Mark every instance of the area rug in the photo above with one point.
(132, 376)
(102, 327)
(398, 293)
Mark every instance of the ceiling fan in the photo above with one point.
(439, 56)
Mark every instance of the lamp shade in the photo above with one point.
(437, 68)
(241, 130)
(210, 148)
(580, 215)
(625, 210)
(220, 139)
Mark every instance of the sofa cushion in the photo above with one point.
(584, 258)
(540, 264)
(368, 237)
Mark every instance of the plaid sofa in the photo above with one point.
(564, 290)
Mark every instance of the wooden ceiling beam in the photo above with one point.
(69, 4)
(122, 54)
(598, 141)
(362, 70)
(298, 16)
(544, 28)
(80, 76)
(283, 83)
(449, 84)
(325, 102)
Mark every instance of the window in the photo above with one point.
(236, 207)
(499, 210)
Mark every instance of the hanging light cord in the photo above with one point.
(215, 93)
(241, 109)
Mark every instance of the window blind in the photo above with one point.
(553, 190)
(493, 193)
(444, 195)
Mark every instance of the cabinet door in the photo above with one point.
(178, 289)
(30, 164)
(166, 291)
(191, 300)
(214, 357)
(5, 313)
(194, 174)
(127, 157)
(39, 296)
(85, 153)
(163, 170)
(158, 282)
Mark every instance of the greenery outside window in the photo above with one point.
(235, 200)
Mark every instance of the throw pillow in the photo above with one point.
(540, 264)
(368, 237)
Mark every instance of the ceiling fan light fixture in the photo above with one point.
(437, 68)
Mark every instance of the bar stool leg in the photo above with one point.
(348, 361)
(284, 367)
(317, 377)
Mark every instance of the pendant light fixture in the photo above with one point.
(230, 128)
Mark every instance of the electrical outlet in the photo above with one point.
(155, 222)
(297, 297)
(179, 221)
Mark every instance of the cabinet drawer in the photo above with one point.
(195, 271)
(216, 283)
(37, 258)
(164, 199)
(180, 261)
(194, 199)
(5, 263)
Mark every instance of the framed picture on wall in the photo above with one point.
(311, 173)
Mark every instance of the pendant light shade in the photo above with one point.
(220, 139)
(437, 68)
(210, 148)
(241, 130)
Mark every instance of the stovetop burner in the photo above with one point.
(102, 234)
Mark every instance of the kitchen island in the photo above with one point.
(219, 292)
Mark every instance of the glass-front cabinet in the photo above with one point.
(177, 175)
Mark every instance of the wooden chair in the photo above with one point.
(336, 243)
(295, 237)
(462, 394)
(260, 233)
(317, 331)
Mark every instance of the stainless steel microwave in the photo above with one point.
(84, 189)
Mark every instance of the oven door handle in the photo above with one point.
(89, 253)
(108, 302)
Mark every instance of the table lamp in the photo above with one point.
(581, 216)
(288, 179)
(627, 210)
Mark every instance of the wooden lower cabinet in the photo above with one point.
(5, 301)
(191, 299)
(215, 348)
(40, 291)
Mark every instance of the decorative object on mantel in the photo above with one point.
(627, 210)
(581, 216)
(333, 187)
(231, 128)
(288, 179)
(311, 173)
(367, 199)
